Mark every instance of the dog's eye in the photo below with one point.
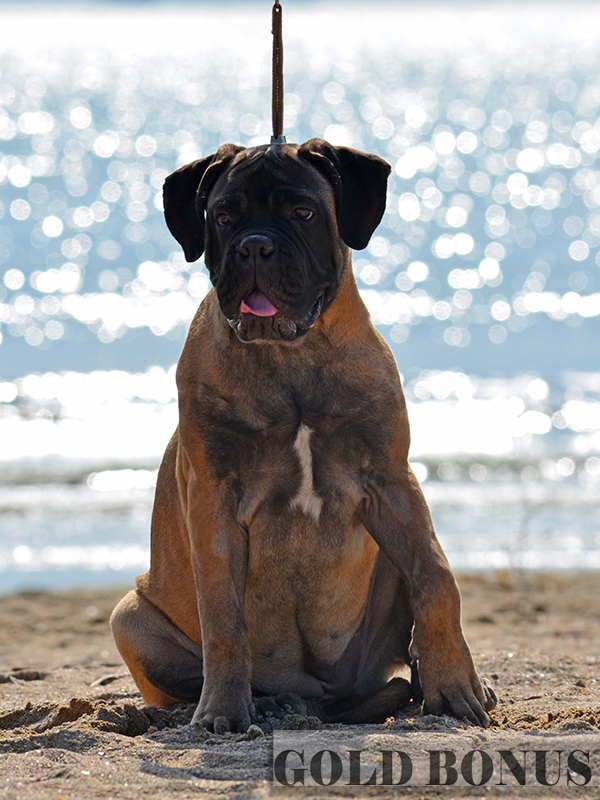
(223, 219)
(303, 213)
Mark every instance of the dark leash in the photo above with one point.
(277, 101)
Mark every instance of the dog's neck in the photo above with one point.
(347, 316)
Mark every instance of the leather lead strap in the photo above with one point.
(277, 102)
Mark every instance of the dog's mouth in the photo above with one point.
(256, 303)
(258, 318)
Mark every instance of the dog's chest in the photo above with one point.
(306, 497)
(298, 456)
(310, 560)
(307, 476)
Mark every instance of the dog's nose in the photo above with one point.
(259, 248)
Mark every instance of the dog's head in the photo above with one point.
(275, 222)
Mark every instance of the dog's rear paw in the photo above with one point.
(278, 706)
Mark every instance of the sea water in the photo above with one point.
(483, 276)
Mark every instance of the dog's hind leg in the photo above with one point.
(165, 664)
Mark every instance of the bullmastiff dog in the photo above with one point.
(293, 555)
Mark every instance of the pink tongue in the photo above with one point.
(256, 303)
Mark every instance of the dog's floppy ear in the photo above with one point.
(359, 181)
(184, 197)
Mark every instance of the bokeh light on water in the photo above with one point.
(486, 260)
(493, 221)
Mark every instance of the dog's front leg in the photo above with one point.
(396, 515)
(219, 552)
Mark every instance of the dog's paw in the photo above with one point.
(279, 706)
(225, 718)
(458, 691)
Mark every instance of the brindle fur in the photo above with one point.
(292, 547)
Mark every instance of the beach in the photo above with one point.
(72, 723)
(483, 277)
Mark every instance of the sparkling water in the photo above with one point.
(483, 276)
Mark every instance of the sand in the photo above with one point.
(72, 724)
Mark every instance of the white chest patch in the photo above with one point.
(306, 499)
